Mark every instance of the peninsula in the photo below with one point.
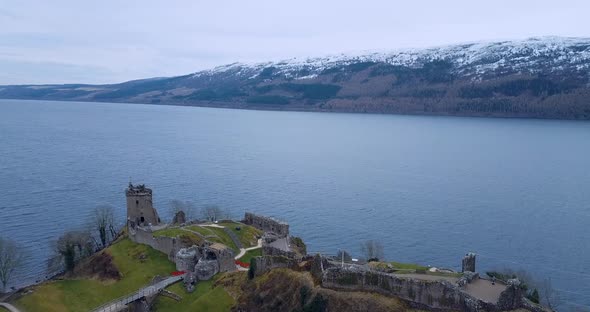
(253, 264)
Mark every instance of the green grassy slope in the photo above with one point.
(206, 297)
(138, 264)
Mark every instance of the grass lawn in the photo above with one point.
(206, 297)
(246, 234)
(3, 309)
(86, 294)
(221, 236)
(408, 266)
(412, 267)
(178, 232)
(251, 254)
(205, 231)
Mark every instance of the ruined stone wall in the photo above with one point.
(266, 263)
(186, 259)
(268, 250)
(226, 260)
(267, 224)
(168, 245)
(432, 294)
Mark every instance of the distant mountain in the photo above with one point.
(539, 77)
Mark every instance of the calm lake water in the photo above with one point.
(516, 192)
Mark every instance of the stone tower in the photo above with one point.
(468, 263)
(140, 210)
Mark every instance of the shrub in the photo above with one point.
(304, 292)
(318, 304)
(252, 269)
(533, 296)
(297, 241)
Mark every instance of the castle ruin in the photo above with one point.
(201, 263)
(140, 210)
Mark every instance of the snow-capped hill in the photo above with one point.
(531, 55)
(544, 77)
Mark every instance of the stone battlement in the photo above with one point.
(139, 189)
(267, 224)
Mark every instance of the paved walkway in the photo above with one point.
(282, 244)
(244, 250)
(213, 225)
(484, 290)
(9, 306)
(121, 303)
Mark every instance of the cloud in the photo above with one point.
(121, 40)
(30, 72)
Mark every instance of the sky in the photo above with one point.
(111, 41)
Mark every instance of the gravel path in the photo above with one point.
(243, 250)
(9, 306)
(484, 290)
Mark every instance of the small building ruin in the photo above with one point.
(202, 263)
(468, 263)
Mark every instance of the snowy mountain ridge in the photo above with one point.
(474, 59)
(545, 77)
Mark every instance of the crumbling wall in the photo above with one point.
(513, 296)
(206, 269)
(226, 260)
(468, 263)
(179, 218)
(266, 263)
(186, 259)
(267, 224)
(168, 245)
(432, 294)
(268, 250)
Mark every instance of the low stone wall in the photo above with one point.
(441, 295)
(168, 245)
(267, 224)
(266, 263)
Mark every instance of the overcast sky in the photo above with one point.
(116, 40)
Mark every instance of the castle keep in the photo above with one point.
(140, 210)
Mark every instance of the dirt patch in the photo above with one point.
(100, 266)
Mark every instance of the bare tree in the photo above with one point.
(10, 259)
(226, 213)
(549, 296)
(104, 223)
(73, 246)
(343, 255)
(212, 213)
(373, 250)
